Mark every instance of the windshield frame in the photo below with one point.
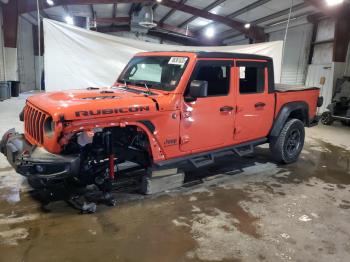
(150, 84)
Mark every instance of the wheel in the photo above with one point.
(287, 146)
(327, 119)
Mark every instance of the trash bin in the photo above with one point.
(5, 90)
(14, 88)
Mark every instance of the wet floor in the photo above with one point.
(245, 210)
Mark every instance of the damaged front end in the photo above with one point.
(35, 162)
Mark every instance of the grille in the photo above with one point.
(34, 123)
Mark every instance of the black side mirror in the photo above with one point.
(198, 89)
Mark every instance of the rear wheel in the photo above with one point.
(287, 146)
(327, 119)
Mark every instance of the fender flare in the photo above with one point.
(284, 114)
(157, 152)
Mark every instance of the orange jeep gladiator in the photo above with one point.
(165, 108)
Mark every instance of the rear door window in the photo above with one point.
(251, 77)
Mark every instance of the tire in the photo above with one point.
(287, 147)
(327, 119)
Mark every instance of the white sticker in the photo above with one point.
(242, 72)
(178, 61)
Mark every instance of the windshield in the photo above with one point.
(161, 72)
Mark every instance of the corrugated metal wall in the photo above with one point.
(322, 73)
(26, 60)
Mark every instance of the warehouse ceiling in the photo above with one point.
(205, 21)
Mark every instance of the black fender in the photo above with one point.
(286, 111)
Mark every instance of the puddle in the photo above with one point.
(331, 166)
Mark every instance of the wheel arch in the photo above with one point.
(148, 128)
(298, 110)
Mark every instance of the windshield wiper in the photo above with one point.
(144, 84)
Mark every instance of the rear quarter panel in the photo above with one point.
(308, 96)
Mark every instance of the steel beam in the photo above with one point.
(171, 12)
(162, 26)
(254, 32)
(208, 8)
(26, 6)
(229, 34)
(240, 11)
(166, 36)
(116, 20)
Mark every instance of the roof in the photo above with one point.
(182, 21)
(231, 55)
(204, 54)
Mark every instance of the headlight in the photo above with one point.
(49, 127)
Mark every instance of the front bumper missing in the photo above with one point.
(29, 160)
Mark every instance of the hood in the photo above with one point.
(84, 104)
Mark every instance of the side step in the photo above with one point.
(202, 161)
(244, 150)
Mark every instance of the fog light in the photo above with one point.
(39, 168)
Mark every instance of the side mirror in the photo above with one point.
(198, 89)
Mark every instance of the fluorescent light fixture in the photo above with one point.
(247, 26)
(159, 1)
(334, 2)
(210, 32)
(50, 2)
(69, 20)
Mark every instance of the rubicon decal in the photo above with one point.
(110, 111)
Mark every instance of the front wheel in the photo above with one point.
(287, 147)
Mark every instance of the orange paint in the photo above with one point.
(190, 127)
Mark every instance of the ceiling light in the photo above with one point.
(334, 2)
(69, 20)
(210, 32)
(50, 2)
(247, 26)
(159, 1)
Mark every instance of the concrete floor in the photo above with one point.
(247, 210)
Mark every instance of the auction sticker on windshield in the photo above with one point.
(178, 61)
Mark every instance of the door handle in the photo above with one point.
(260, 104)
(226, 109)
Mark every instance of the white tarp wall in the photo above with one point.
(78, 58)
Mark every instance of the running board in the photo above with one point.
(208, 158)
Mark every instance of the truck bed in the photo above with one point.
(288, 88)
(289, 94)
